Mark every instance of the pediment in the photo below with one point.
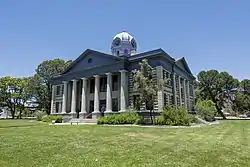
(91, 58)
(183, 65)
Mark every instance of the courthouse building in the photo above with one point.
(98, 81)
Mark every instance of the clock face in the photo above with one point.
(117, 41)
(133, 43)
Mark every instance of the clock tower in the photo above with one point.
(123, 44)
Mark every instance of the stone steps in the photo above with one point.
(88, 120)
(81, 120)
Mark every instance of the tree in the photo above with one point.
(5, 94)
(23, 94)
(145, 85)
(216, 86)
(41, 81)
(242, 102)
(245, 85)
(14, 93)
(206, 109)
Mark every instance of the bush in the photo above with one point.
(49, 118)
(123, 118)
(160, 121)
(39, 115)
(207, 109)
(144, 120)
(193, 119)
(175, 116)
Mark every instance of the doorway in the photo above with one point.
(91, 108)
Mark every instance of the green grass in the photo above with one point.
(33, 144)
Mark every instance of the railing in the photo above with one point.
(88, 115)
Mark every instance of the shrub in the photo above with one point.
(160, 121)
(49, 118)
(123, 118)
(143, 120)
(207, 109)
(193, 119)
(176, 116)
(39, 115)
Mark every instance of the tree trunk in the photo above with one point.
(219, 111)
(151, 117)
(20, 113)
(12, 114)
(13, 111)
(153, 111)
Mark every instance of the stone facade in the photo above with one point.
(97, 81)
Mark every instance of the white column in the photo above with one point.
(123, 89)
(84, 96)
(74, 97)
(179, 82)
(52, 99)
(188, 95)
(185, 93)
(65, 92)
(109, 93)
(96, 96)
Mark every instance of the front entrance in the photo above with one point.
(91, 108)
(102, 105)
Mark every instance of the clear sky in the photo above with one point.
(210, 34)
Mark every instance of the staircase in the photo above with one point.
(91, 121)
(82, 121)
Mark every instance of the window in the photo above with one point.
(171, 100)
(92, 85)
(114, 104)
(164, 99)
(89, 60)
(149, 106)
(182, 95)
(114, 82)
(103, 84)
(118, 53)
(58, 90)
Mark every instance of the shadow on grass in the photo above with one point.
(16, 126)
(18, 123)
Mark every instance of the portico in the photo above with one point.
(89, 94)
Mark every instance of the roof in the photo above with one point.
(180, 63)
(86, 52)
(183, 60)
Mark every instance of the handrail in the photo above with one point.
(88, 115)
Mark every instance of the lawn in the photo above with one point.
(34, 144)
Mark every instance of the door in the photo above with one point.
(91, 108)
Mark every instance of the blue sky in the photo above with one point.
(211, 34)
